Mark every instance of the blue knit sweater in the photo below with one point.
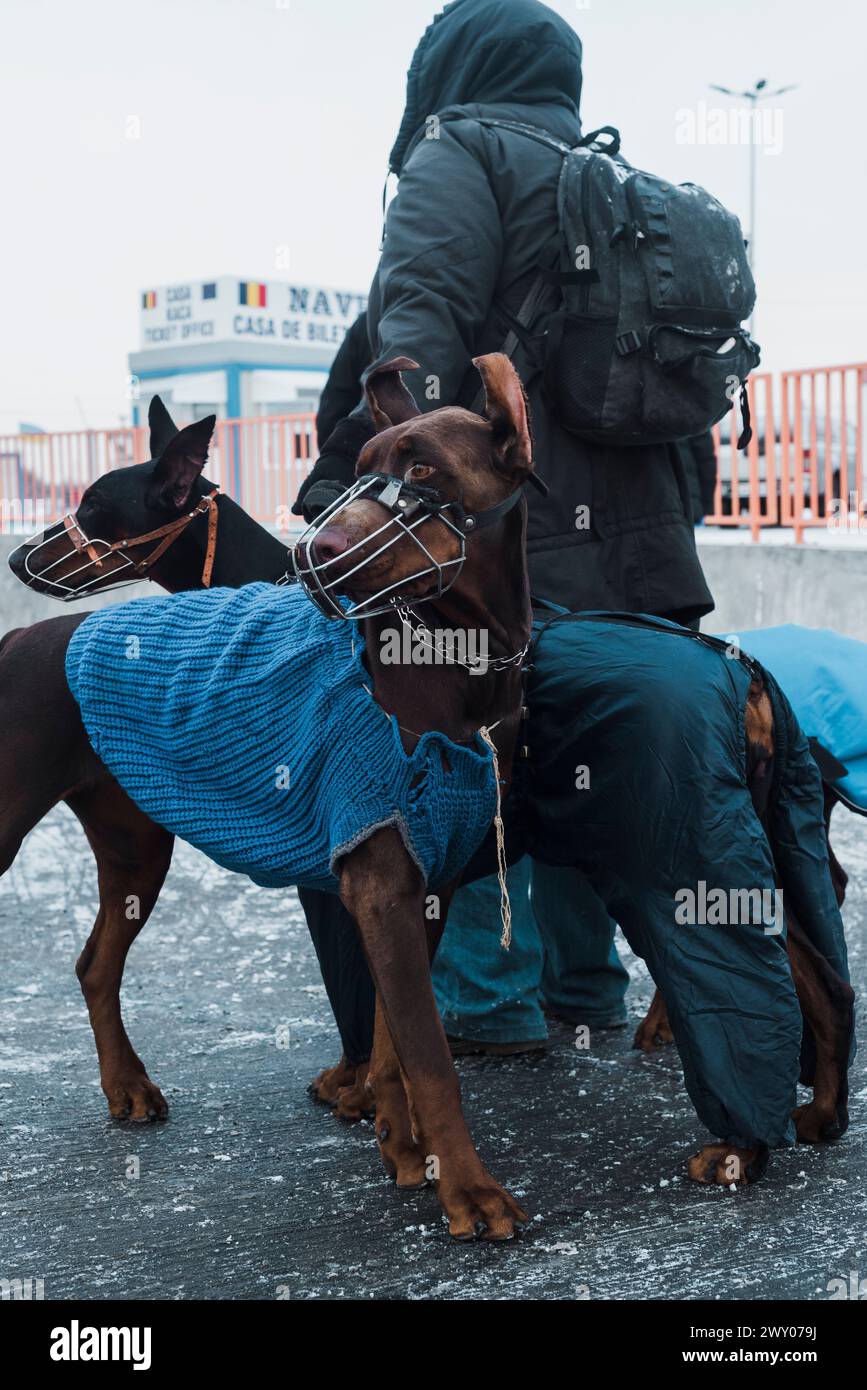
(239, 720)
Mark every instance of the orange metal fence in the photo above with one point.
(803, 468)
(260, 461)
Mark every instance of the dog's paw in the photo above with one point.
(134, 1097)
(651, 1035)
(654, 1031)
(722, 1163)
(355, 1101)
(818, 1123)
(345, 1089)
(480, 1209)
(401, 1156)
(328, 1084)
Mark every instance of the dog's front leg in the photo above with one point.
(384, 892)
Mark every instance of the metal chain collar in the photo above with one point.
(421, 630)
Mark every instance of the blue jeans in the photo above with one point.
(562, 958)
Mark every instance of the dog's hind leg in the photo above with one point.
(344, 1088)
(132, 856)
(396, 1131)
(799, 818)
(352, 998)
(827, 1003)
(49, 759)
(45, 752)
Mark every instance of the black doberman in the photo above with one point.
(164, 521)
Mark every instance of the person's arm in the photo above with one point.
(340, 435)
(432, 294)
(440, 263)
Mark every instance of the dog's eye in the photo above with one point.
(417, 471)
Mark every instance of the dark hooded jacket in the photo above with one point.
(474, 216)
(698, 457)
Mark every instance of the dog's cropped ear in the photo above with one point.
(388, 400)
(182, 461)
(162, 426)
(506, 413)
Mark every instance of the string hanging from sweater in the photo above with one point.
(505, 904)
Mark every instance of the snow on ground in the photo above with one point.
(252, 1191)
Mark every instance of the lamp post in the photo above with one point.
(758, 92)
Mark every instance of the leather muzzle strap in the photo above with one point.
(168, 534)
(80, 542)
(212, 542)
(165, 535)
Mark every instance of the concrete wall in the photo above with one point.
(765, 584)
(753, 585)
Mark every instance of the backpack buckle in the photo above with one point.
(628, 342)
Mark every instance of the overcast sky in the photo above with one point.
(266, 123)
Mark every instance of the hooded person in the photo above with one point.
(473, 219)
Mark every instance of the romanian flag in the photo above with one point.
(149, 299)
(254, 296)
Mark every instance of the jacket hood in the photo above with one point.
(490, 52)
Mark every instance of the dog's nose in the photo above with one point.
(17, 560)
(329, 545)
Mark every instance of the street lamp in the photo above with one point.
(756, 94)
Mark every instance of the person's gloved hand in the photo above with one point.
(317, 494)
(334, 470)
(331, 474)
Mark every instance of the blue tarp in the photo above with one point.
(824, 676)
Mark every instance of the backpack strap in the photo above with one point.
(590, 141)
(547, 276)
(544, 277)
(610, 147)
(532, 132)
(523, 319)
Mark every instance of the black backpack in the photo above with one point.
(645, 343)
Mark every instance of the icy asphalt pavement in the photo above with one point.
(252, 1191)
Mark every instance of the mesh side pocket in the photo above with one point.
(577, 368)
